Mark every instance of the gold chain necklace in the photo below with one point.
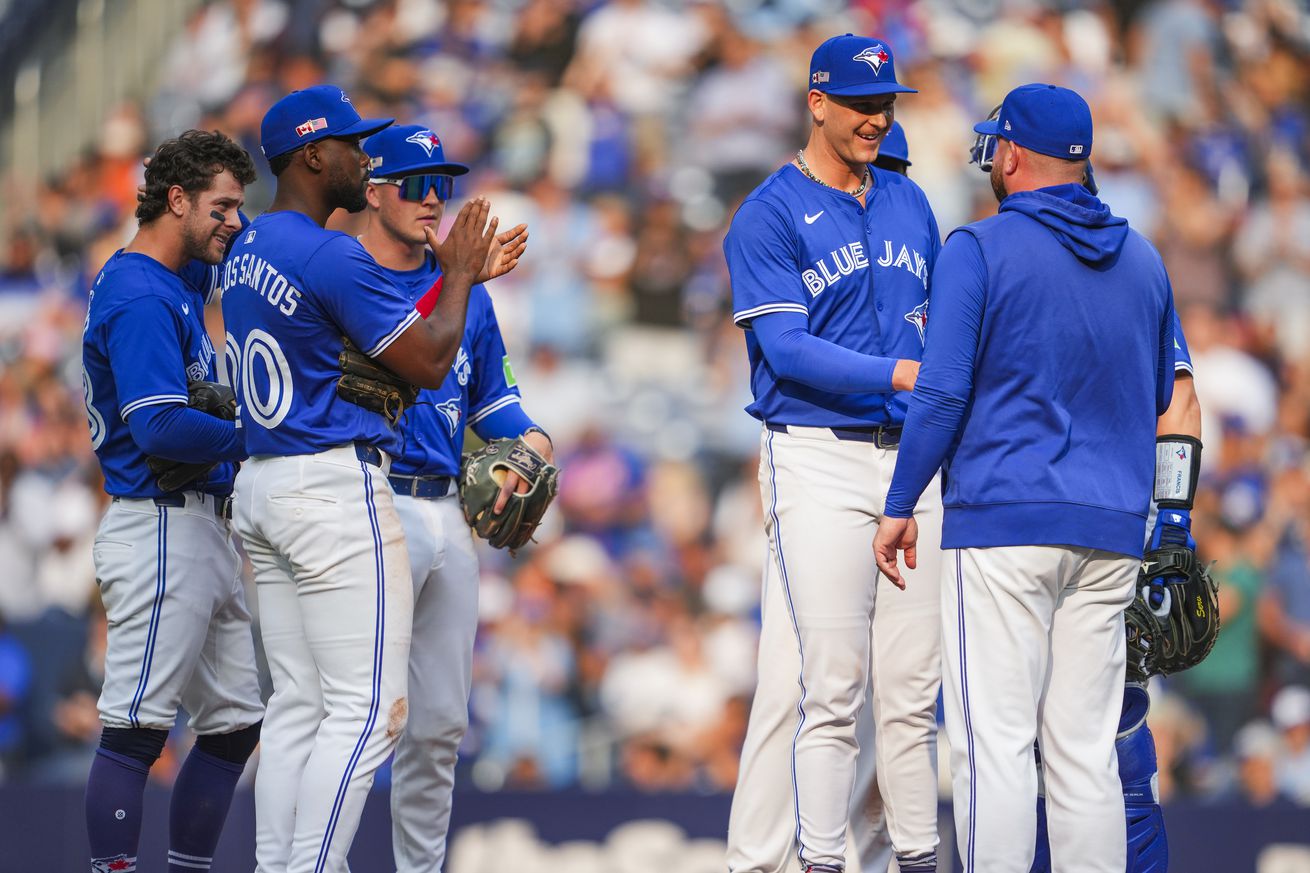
(805, 168)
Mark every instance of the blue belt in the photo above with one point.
(368, 454)
(426, 487)
(882, 436)
(177, 500)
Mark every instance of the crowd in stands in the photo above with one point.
(619, 650)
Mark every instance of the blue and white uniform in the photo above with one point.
(479, 392)
(319, 523)
(1049, 461)
(169, 576)
(167, 571)
(831, 292)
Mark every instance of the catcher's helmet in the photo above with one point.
(1173, 620)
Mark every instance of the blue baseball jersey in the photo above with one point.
(144, 339)
(291, 292)
(1182, 357)
(859, 273)
(480, 382)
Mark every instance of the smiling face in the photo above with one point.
(854, 127)
(211, 217)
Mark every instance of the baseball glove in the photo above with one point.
(480, 477)
(364, 382)
(1173, 620)
(211, 398)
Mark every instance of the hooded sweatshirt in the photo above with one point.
(1049, 355)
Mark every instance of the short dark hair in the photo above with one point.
(191, 160)
(279, 163)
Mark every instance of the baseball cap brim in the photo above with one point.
(364, 127)
(988, 128)
(448, 168)
(869, 90)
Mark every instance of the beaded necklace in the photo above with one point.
(805, 168)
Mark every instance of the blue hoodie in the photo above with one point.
(1049, 355)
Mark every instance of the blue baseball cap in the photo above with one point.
(310, 115)
(1048, 119)
(854, 66)
(407, 150)
(895, 146)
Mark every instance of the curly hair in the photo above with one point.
(191, 160)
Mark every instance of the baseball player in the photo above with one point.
(179, 631)
(1050, 355)
(409, 188)
(829, 260)
(313, 506)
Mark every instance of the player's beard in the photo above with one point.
(200, 239)
(998, 182)
(348, 189)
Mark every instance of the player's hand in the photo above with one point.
(513, 482)
(896, 534)
(505, 253)
(464, 251)
(905, 375)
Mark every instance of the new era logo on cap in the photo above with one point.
(310, 126)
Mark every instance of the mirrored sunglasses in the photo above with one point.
(415, 188)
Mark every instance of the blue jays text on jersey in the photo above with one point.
(478, 385)
(291, 292)
(144, 338)
(859, 273)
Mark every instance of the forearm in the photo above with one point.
(798, 356)
(505, 423)
(180, 433)
(930, 426)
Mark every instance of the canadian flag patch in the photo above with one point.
(310, 126)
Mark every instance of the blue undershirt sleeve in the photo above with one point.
(945, 385)
(1164, 374)
(509, 421)
(181, 433)
(798, 355)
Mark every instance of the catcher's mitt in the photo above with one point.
(1173, 620)
(211, 398)
(480, 477)
(364, 382)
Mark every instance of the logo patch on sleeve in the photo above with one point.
(510, 381)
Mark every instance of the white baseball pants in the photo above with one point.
(445, 576)
(335, 606)
(1033, 642)
(179, 630)
(819, 638)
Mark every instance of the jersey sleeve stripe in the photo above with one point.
(153, 400)
(748, 314)
(212, 294)
(1183, 366)
(507, 400)
(394, 335)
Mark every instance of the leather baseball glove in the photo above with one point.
(480, 477)
(211, 398)
(364, 382)
(1173, 621)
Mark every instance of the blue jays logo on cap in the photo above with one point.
(874, 56)
(1045, 118)
(408, 150)
(307, 116)
(855, 66)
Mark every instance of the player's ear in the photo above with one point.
(817, 104)
(178, 201)
(373, 196)
(312, 156)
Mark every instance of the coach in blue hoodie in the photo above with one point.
(1049, 356)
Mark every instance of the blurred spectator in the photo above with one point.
(1223, 687)
(1258, 748)
(1290, 712)
(15, 684)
